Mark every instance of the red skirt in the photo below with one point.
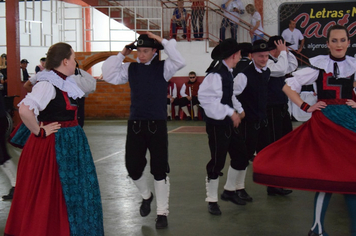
(38, 207)
(318, 156)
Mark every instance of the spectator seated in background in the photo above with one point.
(172, 100)
(179, 19)
(189, 94)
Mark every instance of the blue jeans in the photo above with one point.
(233, 28)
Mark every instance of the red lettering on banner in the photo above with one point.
(314, 29)
(305, 22)
(344, 20)
(326, 27)
(352, 29)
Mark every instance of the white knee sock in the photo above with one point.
(162, 189)
(235, 179)
(176, 110)
(185, 110)
(143, 188)
(230, 184)
(212, 186)
(169, 110)
(240, 180)
(195, 109)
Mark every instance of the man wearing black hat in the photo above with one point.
(251, 87)
(281, 62)
(24, 74)
(147, 125)
(222, 114)
(245, 58)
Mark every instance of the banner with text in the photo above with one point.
(314, 19)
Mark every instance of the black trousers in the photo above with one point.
(143, 135)
(174, 103)
(255, 134)
(225, 139)
(279, 121)
(184, 101)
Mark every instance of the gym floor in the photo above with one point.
(290, 215)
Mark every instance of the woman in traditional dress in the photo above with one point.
(57, 191)
(320, 154)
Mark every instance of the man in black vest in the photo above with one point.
(251, 87)
(222, 114)
(280, 63)
(147, 125)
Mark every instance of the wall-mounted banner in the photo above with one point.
(314, 19)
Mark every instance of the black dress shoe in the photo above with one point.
(145, 208)
(176, 118)
(10, 195)
(195, 118)
(242, 194)
(312, 233)
(214, 208)
(168, 118)
(232, 197)
(188, 118)
(278, 191)
(161, 222)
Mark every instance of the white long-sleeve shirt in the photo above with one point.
(286, 63)
(210, 94)
(116, 72)
(309, 75)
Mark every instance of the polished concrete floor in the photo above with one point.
(188, 154)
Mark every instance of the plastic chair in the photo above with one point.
(180, 27)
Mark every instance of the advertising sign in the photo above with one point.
(314, 19)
